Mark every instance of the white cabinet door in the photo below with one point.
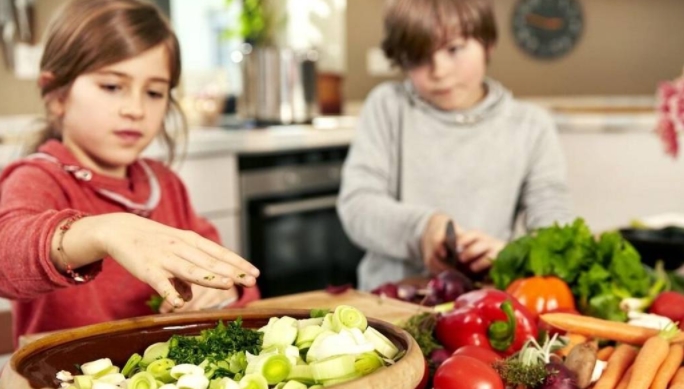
(228, 226)
(212, 182)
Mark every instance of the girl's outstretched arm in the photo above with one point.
(152, 252)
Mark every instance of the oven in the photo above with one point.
(291, 229)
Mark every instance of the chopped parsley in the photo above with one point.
(215, 344)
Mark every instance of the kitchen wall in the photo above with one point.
(627, 47)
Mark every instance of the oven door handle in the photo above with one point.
(299, 206)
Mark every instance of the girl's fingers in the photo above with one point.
(481, 264)
(222, 257)
(206, 268)
(183, 288)
(163, 285)
(474, 251)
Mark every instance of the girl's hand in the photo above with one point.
(166, 258)
(432, 245)
(204, 298)
(478, 249)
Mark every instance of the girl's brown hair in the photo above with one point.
(414, 29)
(87, 35)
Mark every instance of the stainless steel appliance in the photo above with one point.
(292, 231)
(279, 86)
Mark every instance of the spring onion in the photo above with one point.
(97, 366)
(346, 316)
(142, 380)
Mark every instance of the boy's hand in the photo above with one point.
(478, 250)
(432, 245)
(169, 259)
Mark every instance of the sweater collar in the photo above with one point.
(136, 187)
(495, 98)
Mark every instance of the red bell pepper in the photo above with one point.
(487, 318)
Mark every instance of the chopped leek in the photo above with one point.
(192, 381)
(104, 385)
(333, 368)
(83, 381)
(281, 332)
(273, 367)
(142, 380)
(346, 316)
(168, 386)
(382, 345)
(367, 363)
(253, 381)
(153, 352)
(161, 370)
(185, 369)
(301, 373)
(131, 364)
(97, 366)
(314, 321)
(114, 378)
(294, 385)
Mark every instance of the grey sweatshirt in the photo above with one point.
(482, 167)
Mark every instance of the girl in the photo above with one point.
(446, 144)
(88, 231)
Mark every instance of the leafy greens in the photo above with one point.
(600, 272)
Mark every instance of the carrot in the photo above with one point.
(598, 328)
(604, 353)
(678, 379)
(573, 340)
(624, 380)
(669, 367)
(649, 359)
(618, 364)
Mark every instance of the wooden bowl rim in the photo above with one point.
(189, 318)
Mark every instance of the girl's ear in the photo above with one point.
(54, 99)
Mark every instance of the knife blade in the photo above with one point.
(453, 257)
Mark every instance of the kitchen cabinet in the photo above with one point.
(212, 184)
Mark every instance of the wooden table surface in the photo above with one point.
(387, 309)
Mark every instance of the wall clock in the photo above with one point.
(547, 29)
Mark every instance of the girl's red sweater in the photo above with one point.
(36, 195)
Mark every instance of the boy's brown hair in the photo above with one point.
(414, 29)
(87, 35)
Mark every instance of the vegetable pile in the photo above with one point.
(600, 272)
(326, 349)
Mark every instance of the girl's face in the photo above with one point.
(110, 115)
(453, 78)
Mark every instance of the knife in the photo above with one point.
(453, 258)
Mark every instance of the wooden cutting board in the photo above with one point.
(387, 309)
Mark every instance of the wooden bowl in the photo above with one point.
(35, 365)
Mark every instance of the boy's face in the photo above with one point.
(110, 115)
(453, 77)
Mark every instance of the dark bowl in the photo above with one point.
(666, 244)
(35, 365)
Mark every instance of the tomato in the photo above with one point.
(485, 355)
(462, 372)
(426, 377)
